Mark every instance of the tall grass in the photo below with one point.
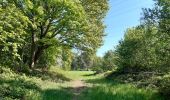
(118, 92)
(20, 87)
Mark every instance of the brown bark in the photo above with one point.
(33, 51)
(38, 53)
(36, 50)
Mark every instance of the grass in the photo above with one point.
(102, 89)
(16, 86)
(110, 90)
(56, 94)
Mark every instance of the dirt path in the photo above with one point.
(77, 87)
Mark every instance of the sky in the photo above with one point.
(122, 14)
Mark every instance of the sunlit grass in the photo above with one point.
(117, 91)
(97, 88)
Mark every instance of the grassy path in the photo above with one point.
(57, 84)
(78, 86)
(86, 86)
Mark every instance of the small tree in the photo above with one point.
(109, 61)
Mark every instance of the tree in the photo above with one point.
(97, 64)
(137, 50)
(52, 22)
(61, 23)
(12, 34)
(159, 16)
(49, 57)
(146, 46)
(109, 61)
(128, 48)
(67, 58)
(96, 11)
(83, 60)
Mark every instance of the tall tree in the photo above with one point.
(109, 61)
(53, 22)
(62, 23)
(137, 50)
(96, 11)
(159, 16)
(12, 33)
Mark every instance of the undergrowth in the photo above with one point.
(34, 86)
(147, 80)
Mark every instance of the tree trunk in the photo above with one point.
(35, 56)
(38, 53)
(33, 51)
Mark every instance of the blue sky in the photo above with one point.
(123, 14)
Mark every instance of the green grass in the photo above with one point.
(17, 86)
(80, 75)
(110, 90)
(101, 89)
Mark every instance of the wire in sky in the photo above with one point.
(123, 6)
(127, 11)
(119, 4)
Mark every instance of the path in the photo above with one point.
(77, 87)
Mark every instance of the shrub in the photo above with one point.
(16, 86)
(164, 88)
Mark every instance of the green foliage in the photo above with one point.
(12, 38)
(49, 57)
(145, 47)
(109, 61)
(159, 16)
(137, 50)
(15, 86)
(88, 60)
(30, 29)
(67, 57)
(34, 86)
(142, 57)
(95, 10)
(143, 54)
(97, 64)
(83, 61)
(164, 86)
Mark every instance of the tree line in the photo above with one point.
(143, 55)
(40, 33)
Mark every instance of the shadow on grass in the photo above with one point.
(104, 89)
(57, 94)
(102, 81)
(49, 75)
(18, 89)
(91, 74)
(100, 93)
(63, 93)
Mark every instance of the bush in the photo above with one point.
(98, 69)
(16, 86)
(164, 88)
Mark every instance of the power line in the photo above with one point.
(126, 11)
(123, 6)
(119, 4)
